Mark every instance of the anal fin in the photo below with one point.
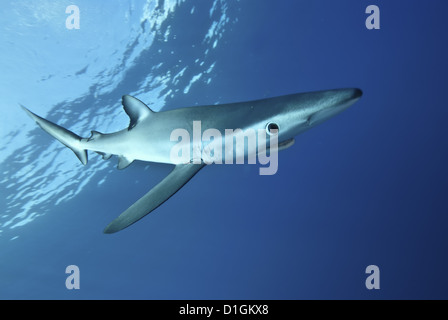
(124, 162)
(106, 156)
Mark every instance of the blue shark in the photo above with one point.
(148, 135)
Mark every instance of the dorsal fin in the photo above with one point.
(135, 109)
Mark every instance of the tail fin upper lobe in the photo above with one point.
(66, 137)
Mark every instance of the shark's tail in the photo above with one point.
(66, 137)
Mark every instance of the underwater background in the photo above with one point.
(368, 187)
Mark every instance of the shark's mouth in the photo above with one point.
(286, 144)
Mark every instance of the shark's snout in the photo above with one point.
(336, 102)
(357, 93)
(353, 95)
(345, 97)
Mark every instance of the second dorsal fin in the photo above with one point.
(135, 109)
(94, 135)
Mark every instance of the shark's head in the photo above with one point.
(300, 112)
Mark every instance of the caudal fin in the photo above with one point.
(66, 137)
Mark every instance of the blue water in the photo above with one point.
(365, 188)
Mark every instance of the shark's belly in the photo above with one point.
(185, 137)
(152, 145)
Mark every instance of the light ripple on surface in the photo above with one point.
(38, 173)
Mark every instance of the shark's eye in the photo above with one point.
(272, 128)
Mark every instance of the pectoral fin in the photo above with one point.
(180, 175)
